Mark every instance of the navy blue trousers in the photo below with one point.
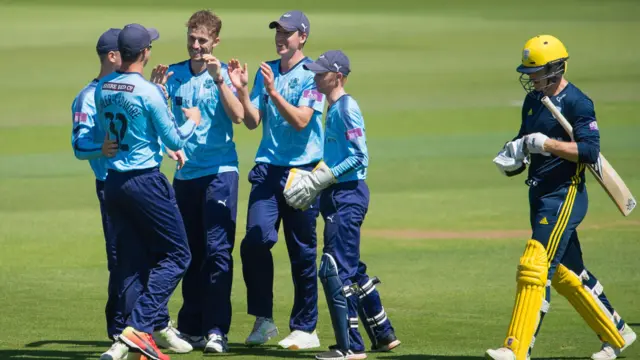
(267, 208)
(151, 244)
(208, 206)
(344, 207)
(554, 217)
(113, 311)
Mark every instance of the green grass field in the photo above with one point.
(437, 84)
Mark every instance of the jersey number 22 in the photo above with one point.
(118, 118)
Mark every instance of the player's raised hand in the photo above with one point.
(159, 74)
(109, 147)
(239, 75)
(213, 66)
(192, 113)
(269, 79)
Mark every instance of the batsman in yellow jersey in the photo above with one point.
(558, 204)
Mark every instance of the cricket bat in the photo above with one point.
(608, 178)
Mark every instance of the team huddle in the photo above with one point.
(159, 233)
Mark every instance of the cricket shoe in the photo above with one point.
(263, 330)
(143, 342)
(335, 354)
(117, 351)
(500, 354)
(610, 352)
(197, 342)
(169, 338)
(299, 340)
(216, 344)
(387, 343)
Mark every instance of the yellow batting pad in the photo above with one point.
(587, 304)
(531, 279)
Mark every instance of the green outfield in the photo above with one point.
(437, 85)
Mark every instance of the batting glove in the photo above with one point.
(535, 143)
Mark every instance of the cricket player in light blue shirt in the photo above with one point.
(206, 182)
(152, 242)
(284, 99)
(88, 144)
(344, 202)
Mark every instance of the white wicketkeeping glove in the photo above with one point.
(535, 143)
(302, 190)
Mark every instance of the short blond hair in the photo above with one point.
(207, 19)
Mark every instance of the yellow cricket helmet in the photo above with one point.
(542, 52)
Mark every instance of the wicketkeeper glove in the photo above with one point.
(303, 187)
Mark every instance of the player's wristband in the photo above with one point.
(218, 82)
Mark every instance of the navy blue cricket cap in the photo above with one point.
(108, 41)
(134, 38)
(291, 21)
(331, 61)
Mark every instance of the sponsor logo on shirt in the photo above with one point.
(118, 87)
(354, 133)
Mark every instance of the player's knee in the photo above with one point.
(259, 237)
(219, 262)
(565, 281)
(183, 261)
(533, 266)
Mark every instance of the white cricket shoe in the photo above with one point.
(500, 354)
(217, 344)
(169, 338)
(610, 352)
(263, 330)
(299, 340)
(117, 351)
(197, 342)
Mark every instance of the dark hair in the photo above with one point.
(206, 18)
(129, 57)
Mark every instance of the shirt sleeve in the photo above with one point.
(174, 137)
(85, 146)
(585, 131)
(311, 97)
(526, 110)
(358, 157)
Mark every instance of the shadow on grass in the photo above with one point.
(85, 350)
(274, 351)
(92, 349)
(38, 350)
(461, 357)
